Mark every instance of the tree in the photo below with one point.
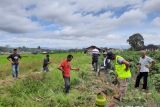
(136, 41)
(39, 47)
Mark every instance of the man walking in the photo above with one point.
(95, 57)
(46, 62)
(65, 67)
(14, 59)
(123, 73)
(143, 66)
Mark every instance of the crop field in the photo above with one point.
(45, 89)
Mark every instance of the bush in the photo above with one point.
(156, 80)
(155, 69)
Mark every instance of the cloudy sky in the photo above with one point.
(78, 23)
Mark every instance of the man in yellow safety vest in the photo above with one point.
(123, 73)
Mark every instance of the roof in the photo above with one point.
(151, 46)
(92, 47)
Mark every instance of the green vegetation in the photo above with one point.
(38, 89)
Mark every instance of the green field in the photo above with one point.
(38, 89)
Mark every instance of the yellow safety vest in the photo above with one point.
(120, 69)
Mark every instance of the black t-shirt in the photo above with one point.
(14, 58)
(45, 62)
(95, 56)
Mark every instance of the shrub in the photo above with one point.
(156, 80)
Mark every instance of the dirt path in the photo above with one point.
(101, 84)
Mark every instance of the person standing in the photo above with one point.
(46, 62)
(14, 59)
(66, 67)
(95, 57)
(123, 73)
(106, 62)
(143, 66)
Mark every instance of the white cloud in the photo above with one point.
(14, 17)
(105, 29)
(151, 6)
(151, 38)
(133, 17)
(156, 22)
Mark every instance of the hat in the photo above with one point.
(110, 55)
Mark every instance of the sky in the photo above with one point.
(68, 24)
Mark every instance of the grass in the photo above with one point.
(28, 63)
(38, 89)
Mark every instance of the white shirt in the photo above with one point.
(95, 51)
(144, 62)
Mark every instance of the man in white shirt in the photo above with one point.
(95, 57)
(143, 66)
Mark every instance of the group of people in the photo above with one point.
(65, 67)
(122, 70)
(96, 63)
(14, 60)
(121, 67)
